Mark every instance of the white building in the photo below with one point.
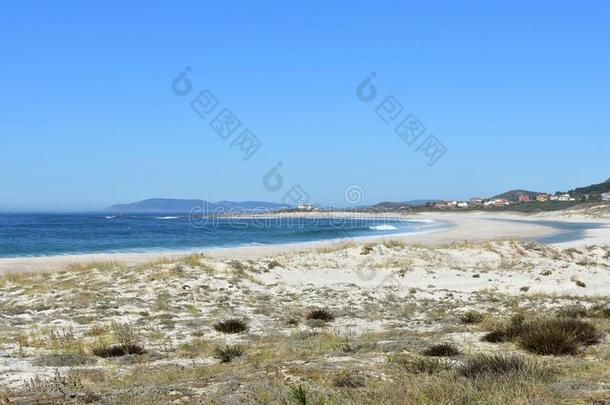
(564, 197)
(305, 207)
(606, 197)
(500, 202)
(462, 204)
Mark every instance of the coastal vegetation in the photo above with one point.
(333, 327)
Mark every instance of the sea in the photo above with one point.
(50, 234)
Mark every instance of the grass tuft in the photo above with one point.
(558, 336)
(442, 350)
(118, 350)
(497, 365)
(297, 395)
(572, 311)
(321, 315)
(393, 243)
(231, 326)
(226, 354)
(547, 336)
(347, 379)
(471, 317)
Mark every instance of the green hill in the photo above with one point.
(513, 195)
(592, 192)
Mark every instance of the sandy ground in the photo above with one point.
(473, 227)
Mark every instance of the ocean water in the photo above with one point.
(64, 234)
(564, 231)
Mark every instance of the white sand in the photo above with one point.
(471, 226)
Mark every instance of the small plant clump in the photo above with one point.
(471, 317)
(226, 354)
(118, 350)
(425, 365)
(348, 380)
(297, 395)
(442, 350)
(572, 311)
(496, 365)
(321, 315)
(599, 310)
(366, 249)
(231, 326)
(558, 336)
(507, 332)
(393, 243)
(547, 336)
(273, 264)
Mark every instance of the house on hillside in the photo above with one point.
(523, 198)
(476, 201)
(462, 204)
(606, 197)
(542, 197)
(564, 197)
(498, 202)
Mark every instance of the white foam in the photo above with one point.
(167, 217)
(382, 228)
(425, 221)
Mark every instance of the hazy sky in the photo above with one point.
(517, 92)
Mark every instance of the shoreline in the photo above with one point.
(473, 227)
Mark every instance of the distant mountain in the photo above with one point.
(513, 195)
(169, 205)
(592, 192)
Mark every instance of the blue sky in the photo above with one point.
(517, 92)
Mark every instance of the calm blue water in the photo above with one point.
(61, 234)
(564, 231)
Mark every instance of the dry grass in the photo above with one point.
(472, 317)
(502, 365)
(336, 247)
(227, 354)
